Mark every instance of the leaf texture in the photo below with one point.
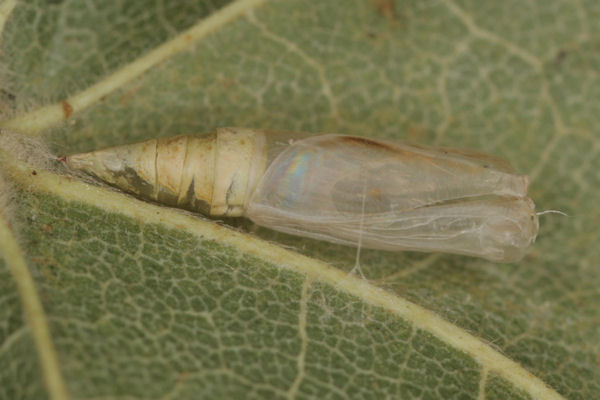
(142, 301)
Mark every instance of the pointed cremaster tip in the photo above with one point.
(130, 168)
(102, 164)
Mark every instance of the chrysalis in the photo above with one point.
(342, 189)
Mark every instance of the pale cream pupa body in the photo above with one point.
(337, 188)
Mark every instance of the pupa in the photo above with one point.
(349, 190)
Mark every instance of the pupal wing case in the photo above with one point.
(342, 189)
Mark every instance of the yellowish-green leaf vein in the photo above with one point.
(293, 391)
(6, 8)
(33, 122)
(34, 312)
(531, 60)
(293, 48)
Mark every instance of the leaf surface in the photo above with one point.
(142, 301)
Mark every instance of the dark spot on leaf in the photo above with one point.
(67, 108)
(8, 95)
(8, 101)
(387, 10)
(560, 57)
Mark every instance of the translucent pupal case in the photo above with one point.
(342, 189)
(346, 189)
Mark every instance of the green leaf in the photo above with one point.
(135, 300)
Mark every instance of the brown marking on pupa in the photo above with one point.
(138, 185)
(375, 192)
(67, 108)
(361, 141)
